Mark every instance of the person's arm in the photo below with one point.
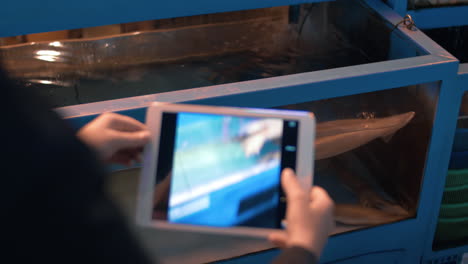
(309, 221)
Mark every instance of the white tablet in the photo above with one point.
(217, 169)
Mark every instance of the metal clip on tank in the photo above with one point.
(408, 22)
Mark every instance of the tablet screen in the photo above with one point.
(222, 171)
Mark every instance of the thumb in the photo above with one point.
(279, 239)
(295, 193)
(124, 140)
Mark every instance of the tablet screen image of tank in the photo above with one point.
(222, 171)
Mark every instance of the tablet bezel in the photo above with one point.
(304, 161)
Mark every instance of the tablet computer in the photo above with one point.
(217, 169)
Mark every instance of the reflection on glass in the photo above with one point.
(55, 44)
(47, 55)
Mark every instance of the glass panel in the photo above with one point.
(452, 224)
(371, 152)
(205, 50)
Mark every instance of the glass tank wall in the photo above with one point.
(206, 50)
(371, 151)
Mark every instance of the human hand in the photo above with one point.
(309, 217)
(116, 138)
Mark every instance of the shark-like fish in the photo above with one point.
(340, 136)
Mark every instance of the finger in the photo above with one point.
(279, 239)
(291, 186)
(320, 198)
(124, 123)
(128, 140)
(316, 193)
